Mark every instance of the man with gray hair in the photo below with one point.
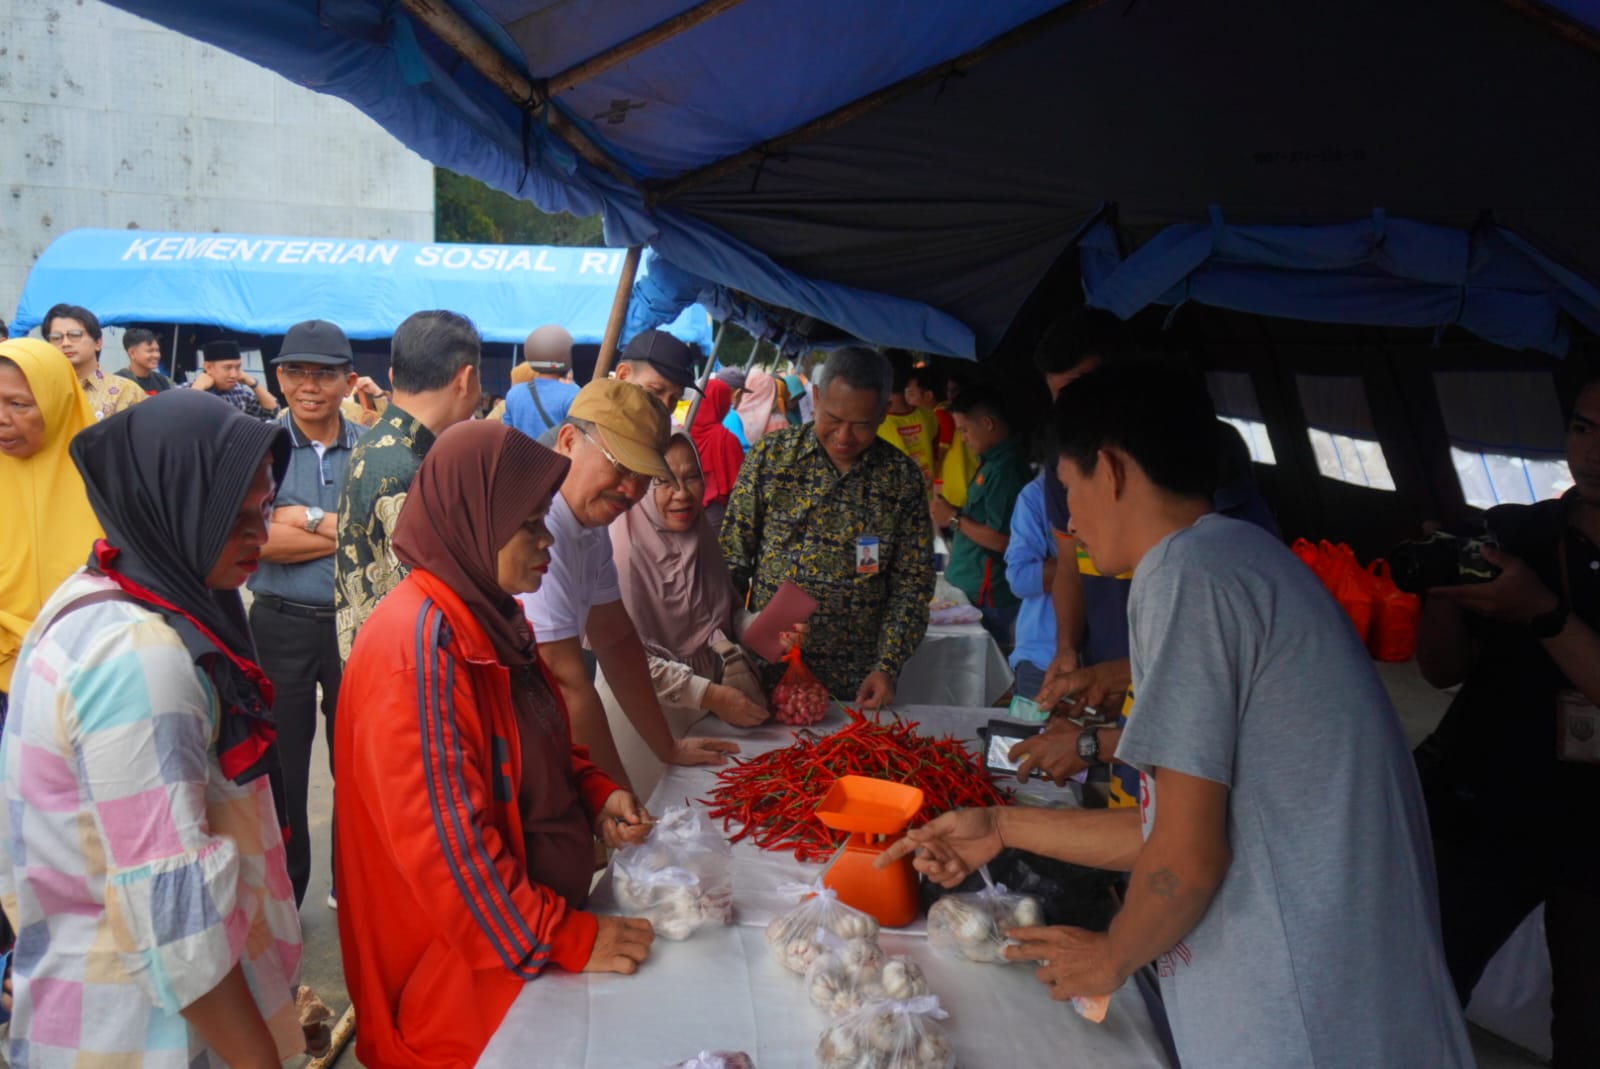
(433, 367)
(843, 514)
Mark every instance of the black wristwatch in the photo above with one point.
(1089, 746)
(1549, 624)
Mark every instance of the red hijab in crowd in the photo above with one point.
(720, 453)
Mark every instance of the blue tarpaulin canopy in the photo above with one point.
(264, 285)
(1379, 271)
(907, 170)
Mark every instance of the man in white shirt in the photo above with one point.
(614, 435)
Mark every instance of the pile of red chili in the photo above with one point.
(773, 797)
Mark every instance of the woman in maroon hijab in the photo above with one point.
(466, 817)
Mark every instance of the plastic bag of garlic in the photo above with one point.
(679, 878)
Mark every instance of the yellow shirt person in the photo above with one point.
(914, 434)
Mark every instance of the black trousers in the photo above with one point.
(298, 653)
(1496, 863)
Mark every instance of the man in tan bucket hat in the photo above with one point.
(614, 434)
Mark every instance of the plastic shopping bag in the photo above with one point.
(1352, 589)
(892, 1034)
(679, 878)
(717, 1059)
(849, 973)
(799, 698)
(792, 936)
(1395, 615)
(974, 925)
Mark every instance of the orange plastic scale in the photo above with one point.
(875, 812)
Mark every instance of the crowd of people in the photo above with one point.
(509, 626)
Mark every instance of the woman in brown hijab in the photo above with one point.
(466, 817)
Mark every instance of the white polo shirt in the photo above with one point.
(581, 576)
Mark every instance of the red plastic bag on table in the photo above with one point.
(1308, 553)
(1351, 587)
(1395, 615)
(1325, 560)
(1333, 561)
(799, 698)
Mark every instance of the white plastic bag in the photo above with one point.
(792, 936)
(973, 925)
(717, 1059)
(849, 973)
(891, 1034)
(679, 878)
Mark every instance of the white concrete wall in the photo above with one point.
(107, 120)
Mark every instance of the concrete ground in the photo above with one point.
(319, 925)
(1419, 705)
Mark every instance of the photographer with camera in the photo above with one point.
(1521, 639)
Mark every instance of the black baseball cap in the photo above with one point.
(672, 358)
(316, 341)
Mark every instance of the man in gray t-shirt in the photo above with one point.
(1280, 875)
(1320, 945)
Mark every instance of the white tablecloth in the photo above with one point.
(956, 664)
(722, 990)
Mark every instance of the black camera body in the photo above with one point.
(1441, 559)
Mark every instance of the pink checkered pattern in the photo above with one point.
(135, 874)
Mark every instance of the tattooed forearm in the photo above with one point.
(1164, 882)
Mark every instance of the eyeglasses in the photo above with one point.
(57, 338)
(325, 376)
(695, 484)
(624, 474)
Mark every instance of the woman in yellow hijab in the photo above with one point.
(49, 526)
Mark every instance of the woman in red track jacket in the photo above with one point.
(465, 818)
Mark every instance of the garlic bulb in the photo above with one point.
(973, 926)
(792, 936)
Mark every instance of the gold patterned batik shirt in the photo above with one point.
(793, 516)
(110, 394)
(381, 469)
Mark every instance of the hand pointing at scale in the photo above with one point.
(950, 847)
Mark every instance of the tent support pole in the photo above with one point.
(640, 42)
(174, 352)
(619, 312)
(755, 353)
(839, 116)
(463, 39)
(705, 373)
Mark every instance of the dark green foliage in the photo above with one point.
(466, 210)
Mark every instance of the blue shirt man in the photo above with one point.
(1030, 567)
(540, 405)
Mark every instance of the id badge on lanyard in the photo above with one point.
(867, 547)
(1577, 728)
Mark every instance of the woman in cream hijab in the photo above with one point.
(49, 526)
(677, 590)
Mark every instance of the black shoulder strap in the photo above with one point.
(532, 389)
